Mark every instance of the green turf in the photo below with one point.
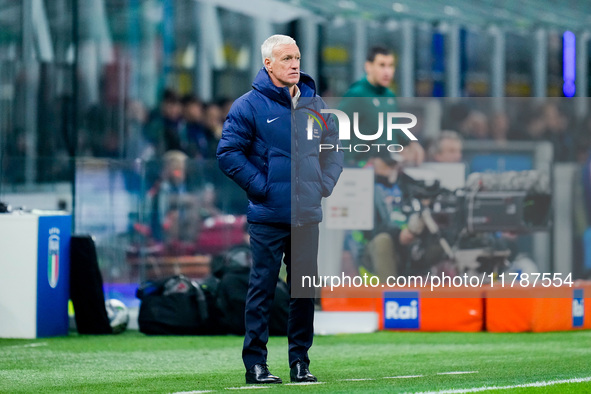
(132, 362)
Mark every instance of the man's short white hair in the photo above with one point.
(271, 42)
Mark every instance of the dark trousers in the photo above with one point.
(269, 243)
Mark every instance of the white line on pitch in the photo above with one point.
(356, 380)
(456, 372)
(193, 392)
(37, 344)
(485, 388)
(403, 377)
(303, 383)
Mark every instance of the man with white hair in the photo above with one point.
(270, 147)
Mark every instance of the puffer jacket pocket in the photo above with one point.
(278, 181)
(259, 186)
(323, 189)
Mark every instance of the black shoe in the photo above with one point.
(300, 373)
(259, 374)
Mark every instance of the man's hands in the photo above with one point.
(414, 227)
(415, 224)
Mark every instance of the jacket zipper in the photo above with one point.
(297, 180)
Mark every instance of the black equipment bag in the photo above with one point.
(232, 269)
(231, 303)
(86, 287)
(173, 306)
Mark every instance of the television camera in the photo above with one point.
(465, 223)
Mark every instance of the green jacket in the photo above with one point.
(368, 101)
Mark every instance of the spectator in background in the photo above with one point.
(547, 123)
(214, 119)
(371, 95)
(557, 131)
(499, 128)
(163, 130)
(208, 207)
(174, 212)
(447, 148)
(455, 115)
(535, 128)
(475, 127)
(200, 142)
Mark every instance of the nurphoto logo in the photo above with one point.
(393, 124)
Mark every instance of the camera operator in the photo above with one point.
(386, 251)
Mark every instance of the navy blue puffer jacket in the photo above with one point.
(265, 149)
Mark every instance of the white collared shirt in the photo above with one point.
(294, 99)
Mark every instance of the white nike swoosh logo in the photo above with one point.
(272, 120)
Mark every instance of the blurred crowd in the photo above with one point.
(188, 124)
(524, 120)
(194, 127)
(178, 198)
(185, 124)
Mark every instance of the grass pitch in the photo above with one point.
(380, 362)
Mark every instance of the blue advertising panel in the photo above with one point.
(53, 275)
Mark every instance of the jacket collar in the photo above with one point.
(377, 89)
(263, 84)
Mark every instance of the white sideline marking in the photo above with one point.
(248, 388)
(356, 380)
(193, 392)
(485, 388)
(456, 372)
(403, 377)
(302, 383)
(30, 345)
